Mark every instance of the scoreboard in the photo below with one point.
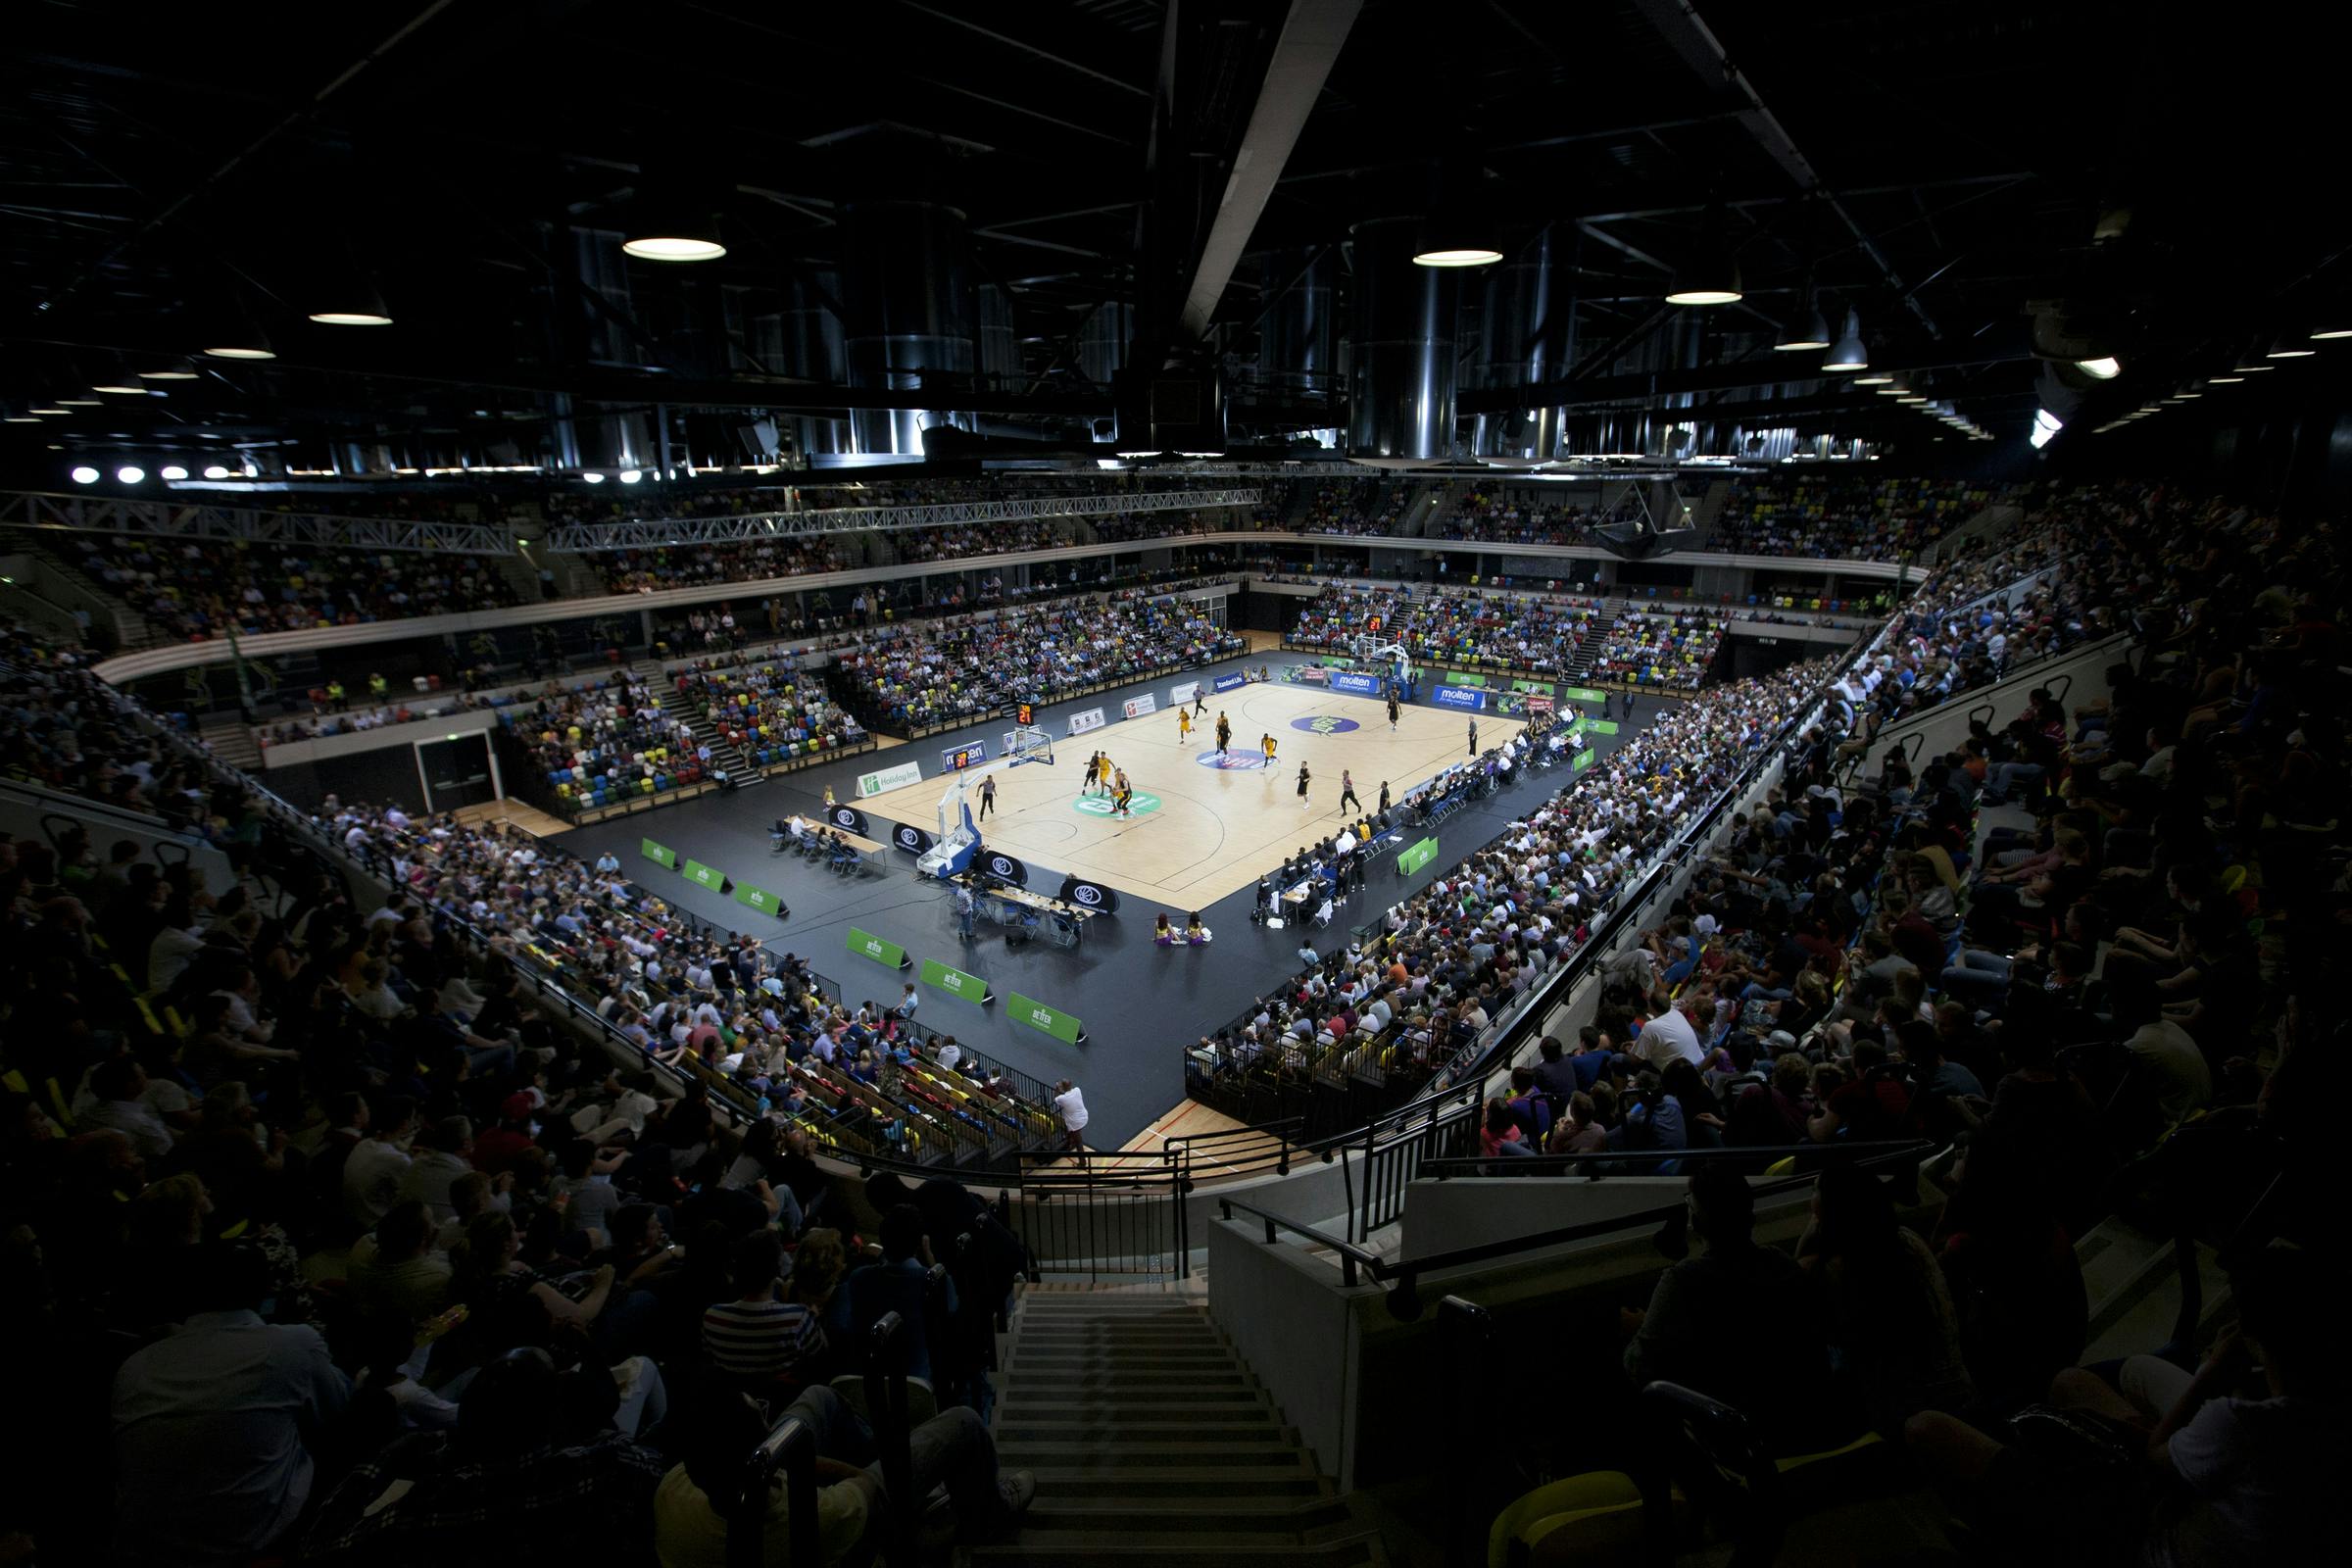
(1025, 717)
(956, 759)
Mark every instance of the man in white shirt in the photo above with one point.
(1667, 1038)
(376, 1166)
(1071, 1105)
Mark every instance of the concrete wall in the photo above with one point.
(22, 805)
(441, 726)
(1473, 1210)
(1298, 1327)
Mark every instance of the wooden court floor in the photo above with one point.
(1201, 831)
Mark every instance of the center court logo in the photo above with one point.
(1325, 724)
(1097, 806)
(1236, 762)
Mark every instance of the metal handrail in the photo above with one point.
(791, 1448)
(1589, 1165)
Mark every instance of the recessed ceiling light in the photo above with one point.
(171, 470)
(1460, 255)
(119, 389)
(249, 352)
(2222, 380)
(130, 474)
(177, 373)
(81, 402)
(2106, 368)
(43, 408)
(631, 475)
(85, 474)
(213, 470)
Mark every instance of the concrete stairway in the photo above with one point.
(1152, 1441)
(521, 574)
(231, 741)
(1587, 648)
(723, 751)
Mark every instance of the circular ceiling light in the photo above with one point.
(591, 479)
(213, 470)
(130, 474)
(1458, 256)
(631, 475)
(2288, 348)
(85, 474)
(122, 389)
(351, 317)
(171, 470)
(44, 408)
(81, 402)
(2323, 333)
(247, 351)
(176, 373)
(680, 248)
(2222, 380)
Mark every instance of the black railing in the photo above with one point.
(1361, 1266)
(1102, 1226)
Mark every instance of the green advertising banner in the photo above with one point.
(1466, 677)
(1037, 1015)
(707, 876)
(874, 948)
(1584, 760)
(760, 899)
(1584, 694)
(1541, 688)
(1602, 726)
(1414, 856)
(956, 983)
(654, 852)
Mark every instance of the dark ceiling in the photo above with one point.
(1934, 164)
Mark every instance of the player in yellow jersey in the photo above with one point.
(1184, 725)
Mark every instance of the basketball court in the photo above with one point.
(1203, 826)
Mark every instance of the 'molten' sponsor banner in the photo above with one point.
(1356, 685)
(871, 946)
(913, 840)
(1092, 718)
(1138, 707)
(956, 983)
(1037, 1015)
(1090, 896)
(1226, 683)
(1456, 697)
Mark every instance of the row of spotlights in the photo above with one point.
(626, 476)
(133, 473)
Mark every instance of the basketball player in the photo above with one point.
(1122, 793)
(1348, 791)
(1184, 725)
(1384, 797)
(1224, 732)
(1302, 782)
(1086, 780)
(1265, 743)
(988, 794)
(1392, 709)
(1102, 772)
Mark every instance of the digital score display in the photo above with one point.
(1024, 716)
(956, 759)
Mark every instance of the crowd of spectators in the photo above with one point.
(1669, 649)
(1434, 970)
(649, 570)
(2100, 1003)
(199, 589)
(382, 1260)
(924, 676)
(1840, 516)
(1349, 506)
(1498, 515)
(1458, 627)
(607, 739)
(771, 712)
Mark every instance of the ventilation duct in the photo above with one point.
(813, 351)
(909, 298)
(1522, 339)
(1103, 342)
(1295, 357)
(1000, 341)
(1401, 354)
